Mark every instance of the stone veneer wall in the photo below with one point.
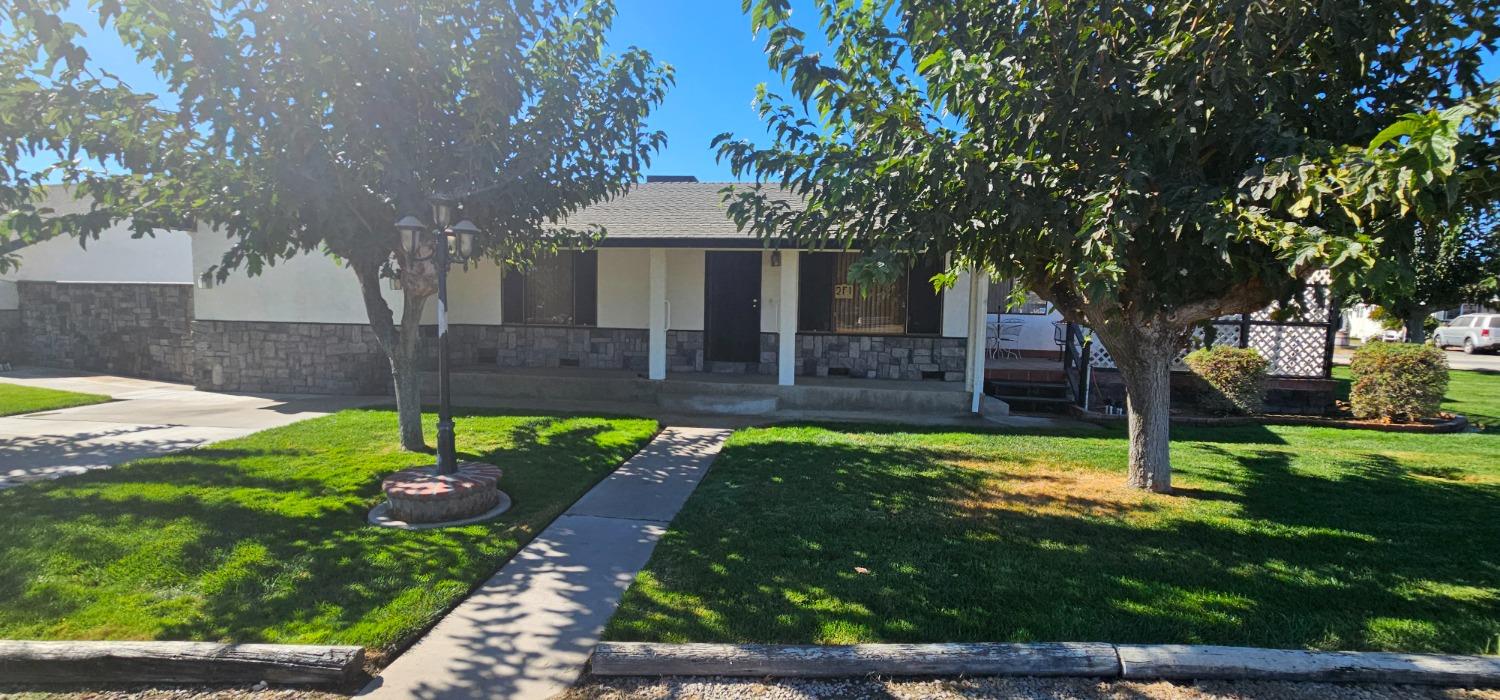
(685, 354)
(819, 355)
(140, 330)
(881, 356)
(344, 358)
(10, 336)
(319, 358)
(543, 346)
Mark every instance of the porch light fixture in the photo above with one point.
(449, 244)
(442, 208)
(465, 231)
(411, 229)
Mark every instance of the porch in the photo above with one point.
(1083, 375)
(703, 393)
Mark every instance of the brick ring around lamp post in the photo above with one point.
(451, 492)
(420, 498)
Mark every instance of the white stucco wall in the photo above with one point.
(308, 288)
(956, 308)
(685, 270)
(315, 289)
(473, 296)
(624, 287)
(166, 257)
(1037, 330)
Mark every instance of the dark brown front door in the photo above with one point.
(731, 310)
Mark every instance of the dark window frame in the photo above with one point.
(584, 292)
(815, 298)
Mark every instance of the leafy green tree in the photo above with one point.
(1144, 167)
(1440, 265)
(298, 127)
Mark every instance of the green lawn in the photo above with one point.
(1280, 537)
(16, 399)
(264, 539)
(1476, 394)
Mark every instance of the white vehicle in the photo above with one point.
(1472, 332)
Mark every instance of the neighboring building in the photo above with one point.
(117, 303)
(1361, 327)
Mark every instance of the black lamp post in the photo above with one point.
(449, 243)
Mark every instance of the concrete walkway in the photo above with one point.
(147, 418)
(528, 631)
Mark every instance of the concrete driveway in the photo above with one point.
(147, 418)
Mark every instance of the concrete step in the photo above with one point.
(559, 386)
(1028, 389)
(1036, 404)
(719, 404)
(712, 395)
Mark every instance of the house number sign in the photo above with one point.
(843, 291)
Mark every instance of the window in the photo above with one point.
(559, 290)
(1494, 322)
(1000, 301)
(830, 302)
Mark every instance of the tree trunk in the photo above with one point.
(1148, 387)
(1144, 357)
(1416, 330)
(401, 347)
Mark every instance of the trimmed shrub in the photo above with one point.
(1398, 382)
(1236, 378)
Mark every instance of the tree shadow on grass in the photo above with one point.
(1227, 434)
(236, 545)
(771, 549)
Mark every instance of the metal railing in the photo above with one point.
(1077, 369)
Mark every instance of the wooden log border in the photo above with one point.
(1180, 662)
(761, 660)
(1083, 659)
(72, 663)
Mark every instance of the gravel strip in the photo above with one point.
(703, 688)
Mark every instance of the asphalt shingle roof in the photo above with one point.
(675, 210)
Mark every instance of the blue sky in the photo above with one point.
(718, 65)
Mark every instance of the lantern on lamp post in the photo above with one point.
(449, 242)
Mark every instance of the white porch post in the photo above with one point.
(786, 320)
(656, 363)
(979, 294)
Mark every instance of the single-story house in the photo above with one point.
(674, 290)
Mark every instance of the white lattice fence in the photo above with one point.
(1226, 333)
(1295, 348)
